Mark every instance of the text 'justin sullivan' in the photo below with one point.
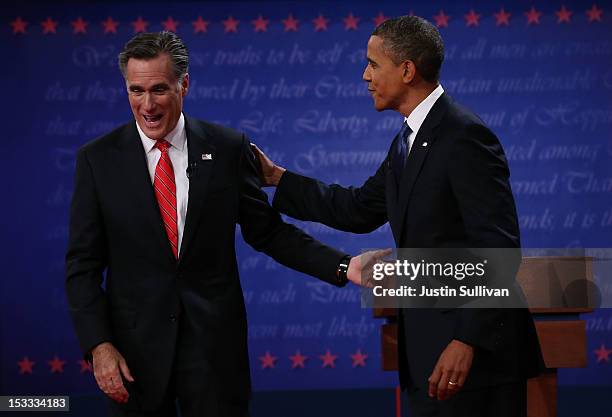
(446, 291)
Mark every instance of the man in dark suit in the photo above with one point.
(444, 183)
(155, 206)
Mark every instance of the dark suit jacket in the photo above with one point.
(115, 227)
(453, 192)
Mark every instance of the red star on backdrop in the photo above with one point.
(19, 25)
(380, 18)
(328, 360)
(49, 26)
(85, 366)
(56, 365)
(359, 358)
(441, 19)
(533, 16)
(200, 25)
(170, 24)
(502, 18)
(351, 22)
(594, 14)
(290, 23)
(140, 25)
(110, 25)
(79, 26)
(472, 18)
(25, 366)
(563, 15)
(260, 24)
(268, 361)
(231, 24)
(298, 360)
(320, 23)
(603, 354)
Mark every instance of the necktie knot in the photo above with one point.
(405, 131)
(162, 145)
(401, 151)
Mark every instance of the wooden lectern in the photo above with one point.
(560, 284)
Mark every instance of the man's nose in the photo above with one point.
(366, 75)
(148, 102)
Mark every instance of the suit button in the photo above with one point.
(172, 318)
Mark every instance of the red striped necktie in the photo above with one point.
(165, 191)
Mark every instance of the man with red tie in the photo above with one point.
(154, 212)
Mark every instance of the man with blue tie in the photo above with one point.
(444, 183)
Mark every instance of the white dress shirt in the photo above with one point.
(420, 112)
(177, 139)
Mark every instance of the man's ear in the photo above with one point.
(185, 85)
(408, 71)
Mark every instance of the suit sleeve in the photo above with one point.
(479, 177)
(86, 259)
(263, 229)
(350, 209)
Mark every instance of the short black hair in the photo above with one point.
(413, 38)
(151, 45)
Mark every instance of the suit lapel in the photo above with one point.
(136, 175)
(418, 153)
(201, 161)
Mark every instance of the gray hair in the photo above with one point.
(413, 38)
(151, 45)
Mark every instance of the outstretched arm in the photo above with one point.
(263, 229)
(357, 210)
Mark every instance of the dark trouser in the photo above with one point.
(191, 391)
(508, 400)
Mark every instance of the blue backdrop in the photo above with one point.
(289, 75)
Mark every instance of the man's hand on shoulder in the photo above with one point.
(269, 173)
(108, 365)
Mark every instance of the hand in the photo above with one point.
(269, 173)
(453, 366)
(107, 363)
(360, 267)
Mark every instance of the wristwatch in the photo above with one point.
(342, 270)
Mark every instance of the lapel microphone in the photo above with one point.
(191, 169)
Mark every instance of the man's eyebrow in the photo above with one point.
(153, 87)
(370, 60)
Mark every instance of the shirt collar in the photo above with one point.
(418, 115)
(176, 138)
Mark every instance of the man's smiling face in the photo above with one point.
(155, 94)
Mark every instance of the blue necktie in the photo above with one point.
(401, 151)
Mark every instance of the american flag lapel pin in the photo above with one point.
(206, 157)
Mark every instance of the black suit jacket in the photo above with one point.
(453, 192)
(115, 227)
